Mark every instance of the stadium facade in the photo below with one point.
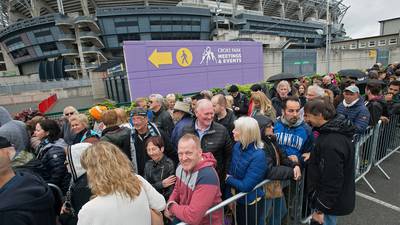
(58, 39)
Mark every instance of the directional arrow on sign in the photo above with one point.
(160, 58)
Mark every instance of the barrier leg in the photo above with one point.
(383, 171)
(369, 185)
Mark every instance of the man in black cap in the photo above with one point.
(240, 101)
(25, 198)
(143, 129)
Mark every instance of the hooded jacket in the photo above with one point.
(119, 136)
(377, 108)
(78, 192)
(195, 192)
(330, 171)
(14, 130)
(26, 200)
(358, 114)
(247, 169)
(294, 140)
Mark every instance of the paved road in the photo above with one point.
(382, 208)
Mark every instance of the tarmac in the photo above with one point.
(382, 208)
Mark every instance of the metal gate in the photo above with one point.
(299, 61)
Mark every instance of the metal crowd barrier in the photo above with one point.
(365, 147)
(284, 210)
(372, 147)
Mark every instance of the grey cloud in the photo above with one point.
(362, 18)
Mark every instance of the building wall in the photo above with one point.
(390, 26)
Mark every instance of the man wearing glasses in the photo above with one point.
(67, 133)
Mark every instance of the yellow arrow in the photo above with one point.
(160, 58)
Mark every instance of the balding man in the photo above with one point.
(213, 136)
(327, 84)
(223, 115)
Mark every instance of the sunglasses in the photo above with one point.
(69, 114)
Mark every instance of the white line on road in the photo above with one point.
(378, 201)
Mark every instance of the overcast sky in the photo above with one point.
(361, 19)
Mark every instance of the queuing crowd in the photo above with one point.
(169, 161)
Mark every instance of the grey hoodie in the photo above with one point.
(14, 130)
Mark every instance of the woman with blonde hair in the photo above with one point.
(262, 105)
(119, 195)
(247, 169)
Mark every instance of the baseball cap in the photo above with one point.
(4, 143)
(139, 112)
(233, 88)
(352, 88)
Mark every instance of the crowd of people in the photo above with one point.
(169, 161)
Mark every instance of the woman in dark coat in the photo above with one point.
(51, 152)
(279, 167)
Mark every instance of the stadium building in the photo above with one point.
(58, 39)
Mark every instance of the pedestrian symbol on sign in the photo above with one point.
(184, 57)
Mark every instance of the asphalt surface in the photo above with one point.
(384, 206)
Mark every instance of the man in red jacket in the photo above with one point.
(197, 185)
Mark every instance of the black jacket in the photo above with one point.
(119, 136)
(284, 170)
(242, 102)
(53, 157)
(27, 201)
(376, 108)
(330, 172)
(277, 103)
(141, 153)
(217, 141)
(156, 172)
(163, 121)
(227, 121)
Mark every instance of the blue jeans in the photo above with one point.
(329, 219)
(278, 209)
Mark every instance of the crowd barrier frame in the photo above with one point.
(372, 147)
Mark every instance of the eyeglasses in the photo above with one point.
(69, 114)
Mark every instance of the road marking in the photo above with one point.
(395, 208)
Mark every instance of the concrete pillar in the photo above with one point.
(85, 7)
(234, 7)
(60, 6)
(283, 9)
(82, 59)
(146, 2)
(96, 80)
(260, 7)
(300, 13)
(35, 8)
(10, 66)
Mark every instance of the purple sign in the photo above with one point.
(190, 66)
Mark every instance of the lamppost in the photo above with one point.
(218, 10)
(328, 37)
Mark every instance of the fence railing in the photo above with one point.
(372, 147)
